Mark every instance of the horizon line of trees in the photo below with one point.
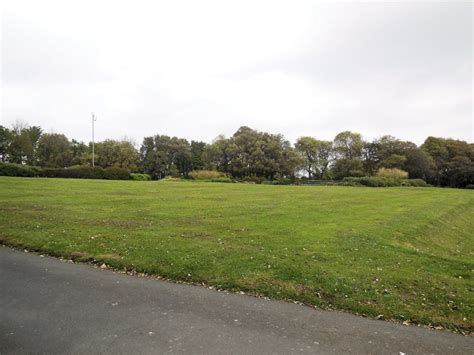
(249, 153)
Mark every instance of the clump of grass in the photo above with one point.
(205, 174)
(392, 173)
(140, 177)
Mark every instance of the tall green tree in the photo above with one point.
(152, 161)
(278, 158)
(419, 165)
(314, 156)
(219, 154)
(34, 134)
(20, 148)
(393, 152)
(307, 149)
(182, 157)
(449, 157)
(371, 157)
(162, 155)
(250, 153)
(347, 167)
(113, 153)
(6, 137)
(325, 153)
(54, 151)
(22, 143)
(348, 145)
(394, 161)
(197, 151)
(80, 153)
(460, 172)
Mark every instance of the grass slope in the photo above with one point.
(405, 253)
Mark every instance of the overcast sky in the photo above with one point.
(197, 69)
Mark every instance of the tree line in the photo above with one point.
(249, 154)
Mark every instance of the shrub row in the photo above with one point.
(222, 179)
(78, 172)
(87, 172)
(392, 173)
(116, 173)
(377, 181)
(140, 177)
(8, 169)
(205, 174)
(281, 182)
(415, 183)
(317, 182)
(252, 179)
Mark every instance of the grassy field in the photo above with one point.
(404, 253)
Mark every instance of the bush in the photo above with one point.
(9, 169)
(76, 172)
(205, 174)
(88, 172)
(392, 173)
(222, 179)
(140, 177)
(170, 178)
(415, 183)
(116, 173)
(284, 181)
(349, 181)
(371, 181)
(316, 182)
(363, 181)
(60, 173)
(253, 179)
(347, 167)
(470, 186)
(376, 181)
(173, 172)
(391, 182)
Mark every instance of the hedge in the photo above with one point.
(392, 173)
(89, 172)
(77, 172)
(222, 179)
(116, 173)
(205, 174)
(252, 179)
(140, 177)
(9, 169)
(376, 181)
(415, 183)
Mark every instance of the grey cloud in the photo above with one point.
(378, 68)
(32, 54)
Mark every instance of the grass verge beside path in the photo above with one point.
(397, 253)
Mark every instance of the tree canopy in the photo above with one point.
(249, 154)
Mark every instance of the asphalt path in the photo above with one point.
(53, 306)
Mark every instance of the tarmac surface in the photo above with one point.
(53, 306)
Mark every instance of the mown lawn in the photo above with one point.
(404, 253)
